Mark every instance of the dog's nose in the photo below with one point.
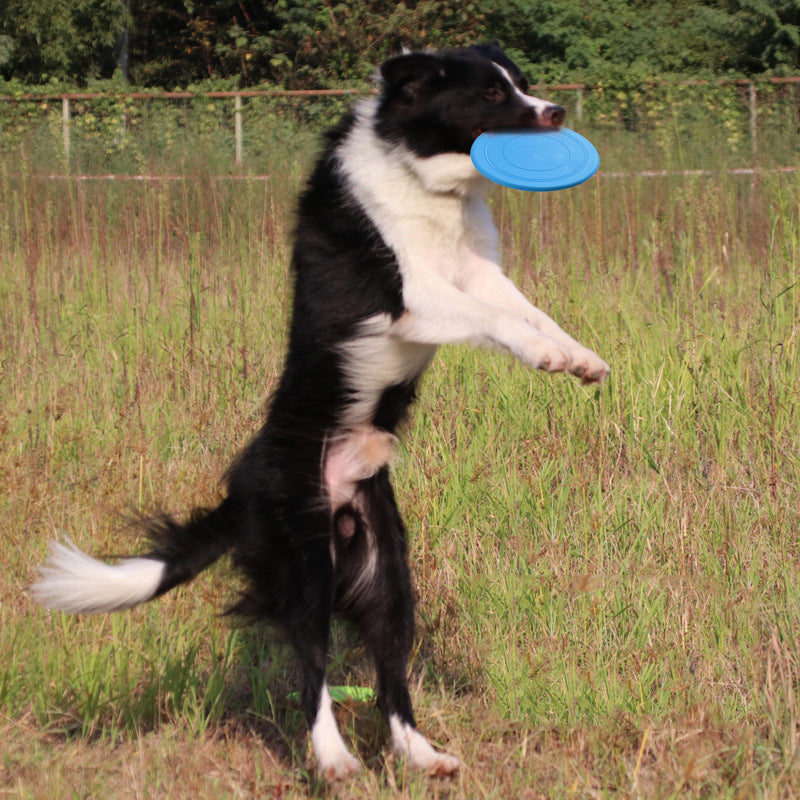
(554, 116)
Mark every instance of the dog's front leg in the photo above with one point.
(485, 280)
(437, 312)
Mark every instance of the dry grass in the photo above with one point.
(606, 578)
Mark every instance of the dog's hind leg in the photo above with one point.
(307, 621)
(334, 761)
(333, 758)
(385, 615)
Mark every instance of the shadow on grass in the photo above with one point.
(245, 690)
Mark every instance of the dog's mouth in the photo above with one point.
(549, 119)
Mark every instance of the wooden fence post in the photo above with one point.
(237, 119)
(65, 115)
(751, 95)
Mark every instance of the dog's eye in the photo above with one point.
(495, 94)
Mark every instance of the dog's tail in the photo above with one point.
(72, 581)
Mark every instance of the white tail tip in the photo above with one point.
(74, 582)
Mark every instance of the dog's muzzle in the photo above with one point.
(551, 116)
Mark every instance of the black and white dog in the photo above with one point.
(395, 253)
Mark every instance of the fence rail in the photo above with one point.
(237, 96)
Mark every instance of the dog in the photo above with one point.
(395, 253)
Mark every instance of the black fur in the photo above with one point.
(276, 519)
(394, 254)
(431, 100)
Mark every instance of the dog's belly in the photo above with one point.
(377, 365)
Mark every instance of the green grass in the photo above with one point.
(607, 578)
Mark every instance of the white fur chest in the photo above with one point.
(430, 211)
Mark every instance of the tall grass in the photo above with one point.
(607, 578)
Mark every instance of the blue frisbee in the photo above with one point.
(536, 161)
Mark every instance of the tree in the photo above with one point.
(773, 38)
(61, 39)
(590, 39)
(318, 43)
(296, 43)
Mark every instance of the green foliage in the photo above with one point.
(60, 40)
(295, 43)
(562, 39)
(636, 126)
(322, 43)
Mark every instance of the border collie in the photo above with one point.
(395, 253)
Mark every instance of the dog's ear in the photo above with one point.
(404, 76)
(490, 50)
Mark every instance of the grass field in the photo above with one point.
(608, 579)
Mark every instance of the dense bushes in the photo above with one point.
(639, 125)
(634, 54)
(314, 43)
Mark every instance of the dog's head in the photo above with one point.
(439, 102)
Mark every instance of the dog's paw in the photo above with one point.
(544, 353)
(443, 765)
(588, 366)
(334, 762)
(408, 743)
(338, 768)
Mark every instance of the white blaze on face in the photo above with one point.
(536, 103)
